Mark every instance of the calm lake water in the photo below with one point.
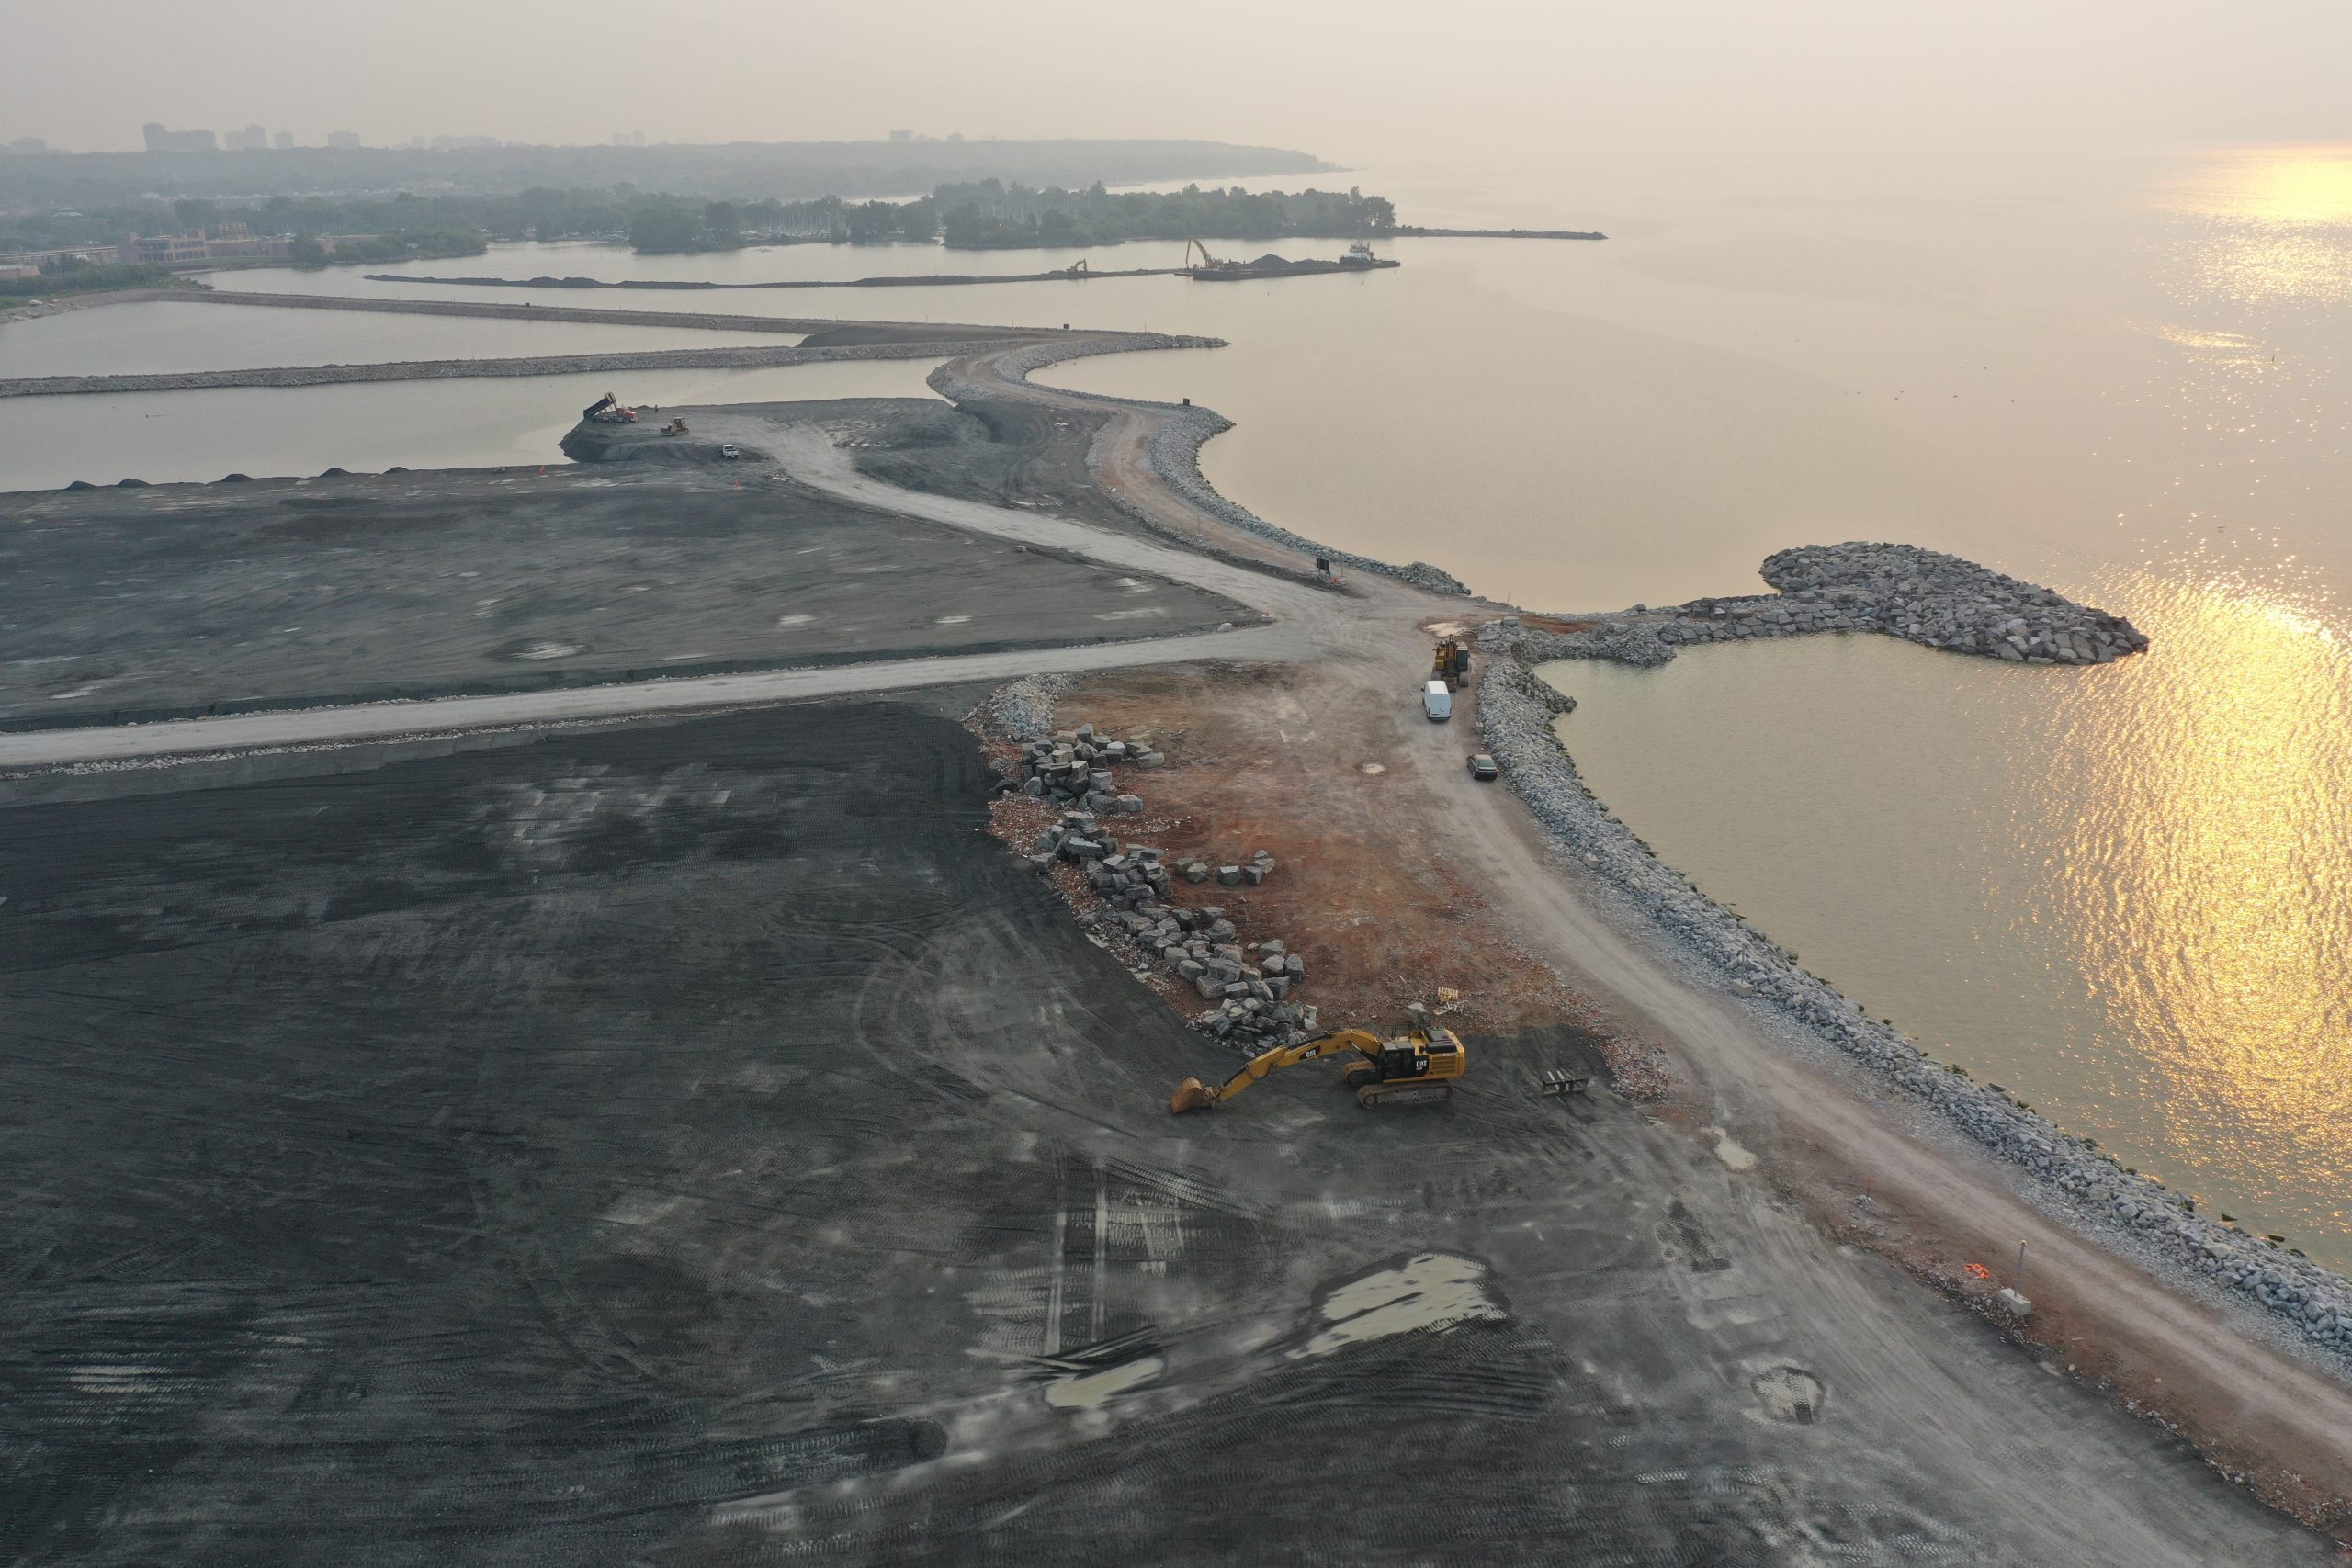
(2124, 892)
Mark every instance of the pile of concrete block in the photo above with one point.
(1074, 769)
(1253, 871)
(1251, 985)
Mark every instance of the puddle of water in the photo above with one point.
(1092, 1391)
(1433, 1290)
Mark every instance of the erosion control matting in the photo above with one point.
(176, 599)
(699, 1142)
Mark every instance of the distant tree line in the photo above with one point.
(67, 275)
(976, 215)
(732, 172)
(666, 223)
(989, 214)
(407, 224)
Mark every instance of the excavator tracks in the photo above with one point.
(1373, 1097)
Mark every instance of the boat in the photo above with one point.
(1213, 270)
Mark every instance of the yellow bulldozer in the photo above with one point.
(676, 427)
(1451, 663)
(1416, 1071)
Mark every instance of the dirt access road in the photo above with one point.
(2254, 1410)
(1359, 657)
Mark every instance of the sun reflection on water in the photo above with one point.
(2205, 879)
(2124, 892)
(2271, 223)
(2301, 185)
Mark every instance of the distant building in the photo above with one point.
(902, 136)
(16, 269)
(97, 255)
(253, 139)
(167, 250)
(283, 141)
(162, 141)
(343, 139)
(28, 145)
(628, 139)
(249, 245)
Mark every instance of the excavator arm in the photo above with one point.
(1194, 1095)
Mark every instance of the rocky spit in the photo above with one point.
(1249, 985)
(1922, 596)
(1176, 450)
(458, 369)
(1515, 714)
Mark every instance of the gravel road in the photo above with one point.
(2066, 1503)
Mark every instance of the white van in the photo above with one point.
(1437, 702)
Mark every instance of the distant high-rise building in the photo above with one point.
(249, 139)
(283, 141)
(162, 141)
(902, 136)
(628, 139)
(28, 145)
(344, 140)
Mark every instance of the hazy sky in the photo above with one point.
(1360, 81)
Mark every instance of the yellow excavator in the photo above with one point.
(1416, 1071)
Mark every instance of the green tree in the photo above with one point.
(667, 226)
(306, 250)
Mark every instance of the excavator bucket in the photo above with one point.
(1191, 1095)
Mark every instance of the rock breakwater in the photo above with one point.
(1515, 714)
(1923, 596)
(456, 370)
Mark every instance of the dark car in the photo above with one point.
(1482, 766)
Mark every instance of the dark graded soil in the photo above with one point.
(188, 599)
(697, 1143)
